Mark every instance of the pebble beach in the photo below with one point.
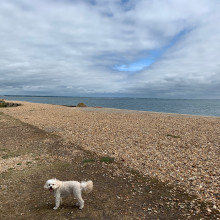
(182, 150)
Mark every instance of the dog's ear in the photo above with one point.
(56, 184)
(45, 185)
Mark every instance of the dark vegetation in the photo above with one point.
(102, 159)
(173, 136)
(81, 104)
(4, 104)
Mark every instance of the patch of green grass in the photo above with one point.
(3, 105)
(173, 136)
(18, 164)
(28, 162)
(102, 159)
(89, 160)
(10, 156)
(11, 169)
(107, 159)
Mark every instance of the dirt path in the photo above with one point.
(29, 156)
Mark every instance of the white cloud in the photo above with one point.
(70, 47)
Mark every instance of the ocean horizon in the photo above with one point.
(202, 107)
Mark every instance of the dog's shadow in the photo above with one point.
(65, 205)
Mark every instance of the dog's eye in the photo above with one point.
(52, 184)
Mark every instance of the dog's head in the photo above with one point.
(51, 185)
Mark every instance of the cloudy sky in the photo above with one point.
(134, 48)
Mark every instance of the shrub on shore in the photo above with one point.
(81, 104)
(4, 104)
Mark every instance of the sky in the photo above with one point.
(110, 48)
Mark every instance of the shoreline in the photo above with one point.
(180, 149)
(123, 111)
(198, 107)
(116, 110)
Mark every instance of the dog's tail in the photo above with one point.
(86, 186)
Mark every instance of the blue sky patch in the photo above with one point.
(154, 55)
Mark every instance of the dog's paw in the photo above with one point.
(55, 208)
(81, 207)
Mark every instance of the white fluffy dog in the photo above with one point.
(64, 188)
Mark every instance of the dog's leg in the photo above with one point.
(78, 196)
(80, 202)
(57, 200)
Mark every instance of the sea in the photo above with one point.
(203, 107)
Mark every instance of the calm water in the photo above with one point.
(180, 106)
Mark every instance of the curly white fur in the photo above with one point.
(62, 189)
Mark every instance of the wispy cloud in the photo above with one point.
(134, 48)
(153, 56)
